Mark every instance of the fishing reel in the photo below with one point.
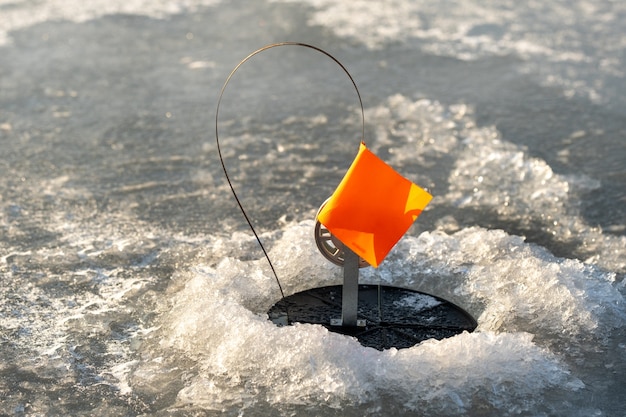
(331, 247)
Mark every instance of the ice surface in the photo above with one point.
(129, 288)
(15, 17)
(61, 329)
(471, 30)
(213, 348)
(489, 175)
(243, 359)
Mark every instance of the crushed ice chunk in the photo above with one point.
(417, 302)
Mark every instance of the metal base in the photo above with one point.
(404, 319)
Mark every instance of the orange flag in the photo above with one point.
(372, 207)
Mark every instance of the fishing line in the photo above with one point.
(230, 184)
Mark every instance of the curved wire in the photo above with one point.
(219, 151)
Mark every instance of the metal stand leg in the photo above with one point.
(350, 298)
(350, 291)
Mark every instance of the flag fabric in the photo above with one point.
(372, 207)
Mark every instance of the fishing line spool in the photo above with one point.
(379, 316)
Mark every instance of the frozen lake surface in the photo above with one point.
(131, 285)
